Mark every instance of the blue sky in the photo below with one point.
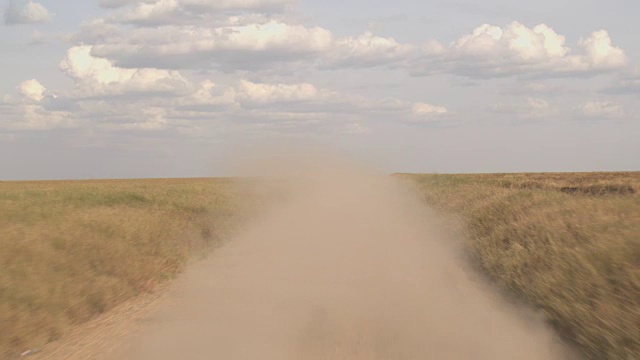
(155, 88)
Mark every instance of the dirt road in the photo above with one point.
(348, 268)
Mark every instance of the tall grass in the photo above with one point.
(73, 250)
(567, 243)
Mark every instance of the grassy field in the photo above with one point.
(72, 250)
(568, 244)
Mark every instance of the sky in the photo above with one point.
(177, 88)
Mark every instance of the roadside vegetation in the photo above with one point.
(569, 244)
(71, 250)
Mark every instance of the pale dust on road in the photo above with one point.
(349, 267)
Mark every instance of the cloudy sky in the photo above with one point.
(147, 88)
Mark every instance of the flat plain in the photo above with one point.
(565, 243)
(72, 250)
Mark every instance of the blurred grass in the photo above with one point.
(567, 243)
(74, 249)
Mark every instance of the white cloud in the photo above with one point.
(99, 77)
(528, 88)
(296, 99)
(208, 96)
(247, 43)
(625, 83)
(162, 11)
(255, 5)
(601, 109)
(293, 107)
(245, 46)
(529, 108)
(356, 128)
(538, 106)
(37, 38)
(35, 109)
(113, 98)
(32, 89)
(276, 93)
(601, 53)
(303, 104)
(516, 41)
(428, 109)
(198, 34)
(29, 12)
(95, 31)
(28, 115)
(205, 4)
(154, 118)
(274, 34)
(367, 50)
(37, 117)
(112, 4)
(171, 12)
(422, 112)
(491, 51)
(247, 95)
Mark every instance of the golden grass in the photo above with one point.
(75, 249)
(567, 243)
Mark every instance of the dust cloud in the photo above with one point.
(349, 266)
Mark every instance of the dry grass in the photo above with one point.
(72, 250)
(566, 243)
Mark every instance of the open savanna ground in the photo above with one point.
(567, 243)
(71, 250)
